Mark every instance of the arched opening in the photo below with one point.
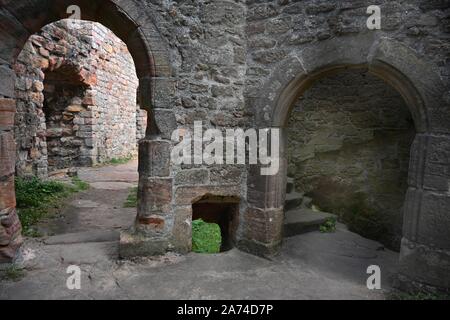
(78, 123)
(23, 19)
(75, 86)
(349, 138)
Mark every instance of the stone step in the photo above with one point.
(293, 200)
(304, 220)
(307, 202)
(290, 184)
(84, 237)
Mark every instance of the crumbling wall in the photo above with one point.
(102, 112)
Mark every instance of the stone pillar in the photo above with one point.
(262, 221)
(425, 251)
(153, 225)
(10, 228)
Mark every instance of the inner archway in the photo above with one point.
(349, 138)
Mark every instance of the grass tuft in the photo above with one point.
(132, 198)
(37, 198)
(118, 161)
(12, 273)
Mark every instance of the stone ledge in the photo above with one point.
(135, 245)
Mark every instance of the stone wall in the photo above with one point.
(349, 139)
(239, 63)
(76, 90)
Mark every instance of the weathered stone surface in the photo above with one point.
(7, 193)
(155, 196)
(422, 266)
(187, 195)
(434, 220)
(154, 158)
(7, 154)
(245, 64)
(265, 191)
(263, 225)
(166, 122)
(351, 134)
(7, 111)
(7, 77)
(10, 235)
(182, 229)
(136, 245)
(437, 164)
(88, 75)
(192, 177)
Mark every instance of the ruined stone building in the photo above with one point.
(364, 115)
(76, 88)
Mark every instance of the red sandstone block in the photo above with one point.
(7, 155)
(7, 194)
(10, 228)
(7, 111)
(9, 252)
(154, 222)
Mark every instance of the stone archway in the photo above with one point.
(21, 19)
(425, 250)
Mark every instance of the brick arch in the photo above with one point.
(19, 20)
(425, 251)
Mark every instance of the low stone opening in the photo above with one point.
(222, 211)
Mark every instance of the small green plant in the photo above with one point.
(79, 184)
(132, 198)
(12, 273)
(206, 237)
(117, 161)
(329, 226)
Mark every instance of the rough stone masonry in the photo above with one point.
(76, 99)
(246, 64)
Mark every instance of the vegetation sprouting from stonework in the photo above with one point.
(206, 237)
(329, 226)
(37, 199)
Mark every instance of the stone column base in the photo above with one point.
(10, 235)
(133, 244)
(423, 269)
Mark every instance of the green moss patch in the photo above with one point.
(206, 237)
